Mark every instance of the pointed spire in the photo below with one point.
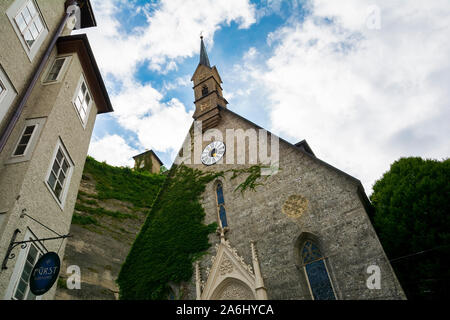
(203, 55)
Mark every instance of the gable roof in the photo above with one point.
(295, 146)
(360, 188)
(149, 151)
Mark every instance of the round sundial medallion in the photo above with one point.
(295, 206)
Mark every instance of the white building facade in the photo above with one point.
(51, 91)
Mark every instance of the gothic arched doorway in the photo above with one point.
(232, 289)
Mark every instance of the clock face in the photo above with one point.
(213, 153)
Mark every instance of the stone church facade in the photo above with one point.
(51, 93)
(303, 234)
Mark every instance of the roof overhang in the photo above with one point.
(311, 156)
(79, 44)
(87, 14)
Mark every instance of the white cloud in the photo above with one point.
(172, 32)
(362, 97)
(158, 125)
(184, 81)
(170, 35)
(113, 149)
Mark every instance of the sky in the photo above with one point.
(364, 82)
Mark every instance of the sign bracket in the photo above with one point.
(23, 244)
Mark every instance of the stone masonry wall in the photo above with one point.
(335, 217)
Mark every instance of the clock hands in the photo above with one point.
(213, 153)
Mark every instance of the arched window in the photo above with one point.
(204, 90)
(316, 272)
(221, 206)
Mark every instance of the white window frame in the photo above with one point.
(13, 11)
(3, 213)
(27, 145)
(65, 188)
(62, 71)
(26, 156)
(3, 90)
(88, 110)
(7, 96)
(20, 263)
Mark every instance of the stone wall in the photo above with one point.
(334, 217)
(98, 250)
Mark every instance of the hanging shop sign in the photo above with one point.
(44, 273)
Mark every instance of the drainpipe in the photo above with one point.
(15, 117)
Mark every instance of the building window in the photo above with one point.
(22, 290)
(221, 206)
(204, 91)
(2, 218)
(316, 272)
(2, 90)
(7, 94)
(56, 70)
(27, 140)
(82, 101)
(60, 173)
(24, 140)
(29, 25)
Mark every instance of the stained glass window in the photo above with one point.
(221, 205)
(316, 271)
(223, 217)
(220, 194)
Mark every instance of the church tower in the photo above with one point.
(207, 91)
(303, 233)
(299, 231)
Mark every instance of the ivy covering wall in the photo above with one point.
(174, 235)
(136, 187)
(147, 162)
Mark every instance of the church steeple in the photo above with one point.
(203, 55)
(207, 91)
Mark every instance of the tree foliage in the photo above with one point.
(412, 219)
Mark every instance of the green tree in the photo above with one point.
(412, 219)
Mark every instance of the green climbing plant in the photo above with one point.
(173, 235)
